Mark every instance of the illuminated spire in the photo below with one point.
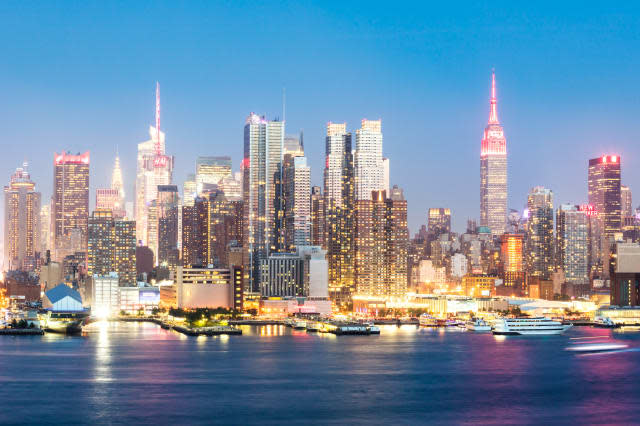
(158, 147)
(493, 113)
(116, 177)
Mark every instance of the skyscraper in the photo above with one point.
(439, 221)
(189, 190)
(263, 149)
(318, 218)
(493, 170)
(167, 223)
(339, 194)
(381, 245)
(209, 228)
(210, 171)
(109, 199)
(111, 247)
(70, 203)
(195, 233)
(539, 244)
(604, 191)
(297, 202)
(512, 262)
(154, 168)
(368, 161)
(572, 236)
(21, 221)
(118, 185)
(626, 201)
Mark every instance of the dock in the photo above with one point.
(208, 331)
(21, 331)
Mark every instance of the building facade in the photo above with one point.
(572, 243)
(154, 168)
(339, 199)
(493, 171)
(111, 247)
(368, 161)
(439, 221)
(263, 152)
(540, 241)
(22, 223)
(70, 203)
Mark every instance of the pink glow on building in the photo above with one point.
(66, 158)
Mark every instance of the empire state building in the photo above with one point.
(493, 171)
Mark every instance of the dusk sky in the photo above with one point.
(82, 77)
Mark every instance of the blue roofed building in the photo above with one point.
(63, 298)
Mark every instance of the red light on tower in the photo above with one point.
(604, 158)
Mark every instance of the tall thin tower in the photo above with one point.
(493, 170)
(154, 168)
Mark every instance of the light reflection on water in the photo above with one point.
(137, 372)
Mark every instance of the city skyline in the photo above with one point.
(199, 115)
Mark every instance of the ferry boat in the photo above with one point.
(64, 322)
(427, 320)
(478, 325)
(299, 325)
(373, 329)
(529, 326)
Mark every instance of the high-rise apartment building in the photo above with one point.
(493, 171)
(604, 192)
(297, 202)
(154, 168)
(439, 221)
(381, 245)
(339, 196)
(512, 262)
(70, 203)
(210, 171)
(210, 228)
(111, 247)
(540, 242)
(263, 151)
(21, 222)
(572, 243)
(368, 161)
(318, 219)
(195, 234)
(167, 226)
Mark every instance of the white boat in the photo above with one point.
(529, 326)
(299, 325)
(427, 320)
(603, 322)
(478, 325)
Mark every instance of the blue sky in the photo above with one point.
(81, 76)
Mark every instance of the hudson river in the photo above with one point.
(138, 373)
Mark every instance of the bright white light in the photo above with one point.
(101, 313)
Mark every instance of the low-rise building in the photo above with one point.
(479, 285)
(209, 287)
(106, 296)
(141, 299)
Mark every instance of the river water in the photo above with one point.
(126, 373)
